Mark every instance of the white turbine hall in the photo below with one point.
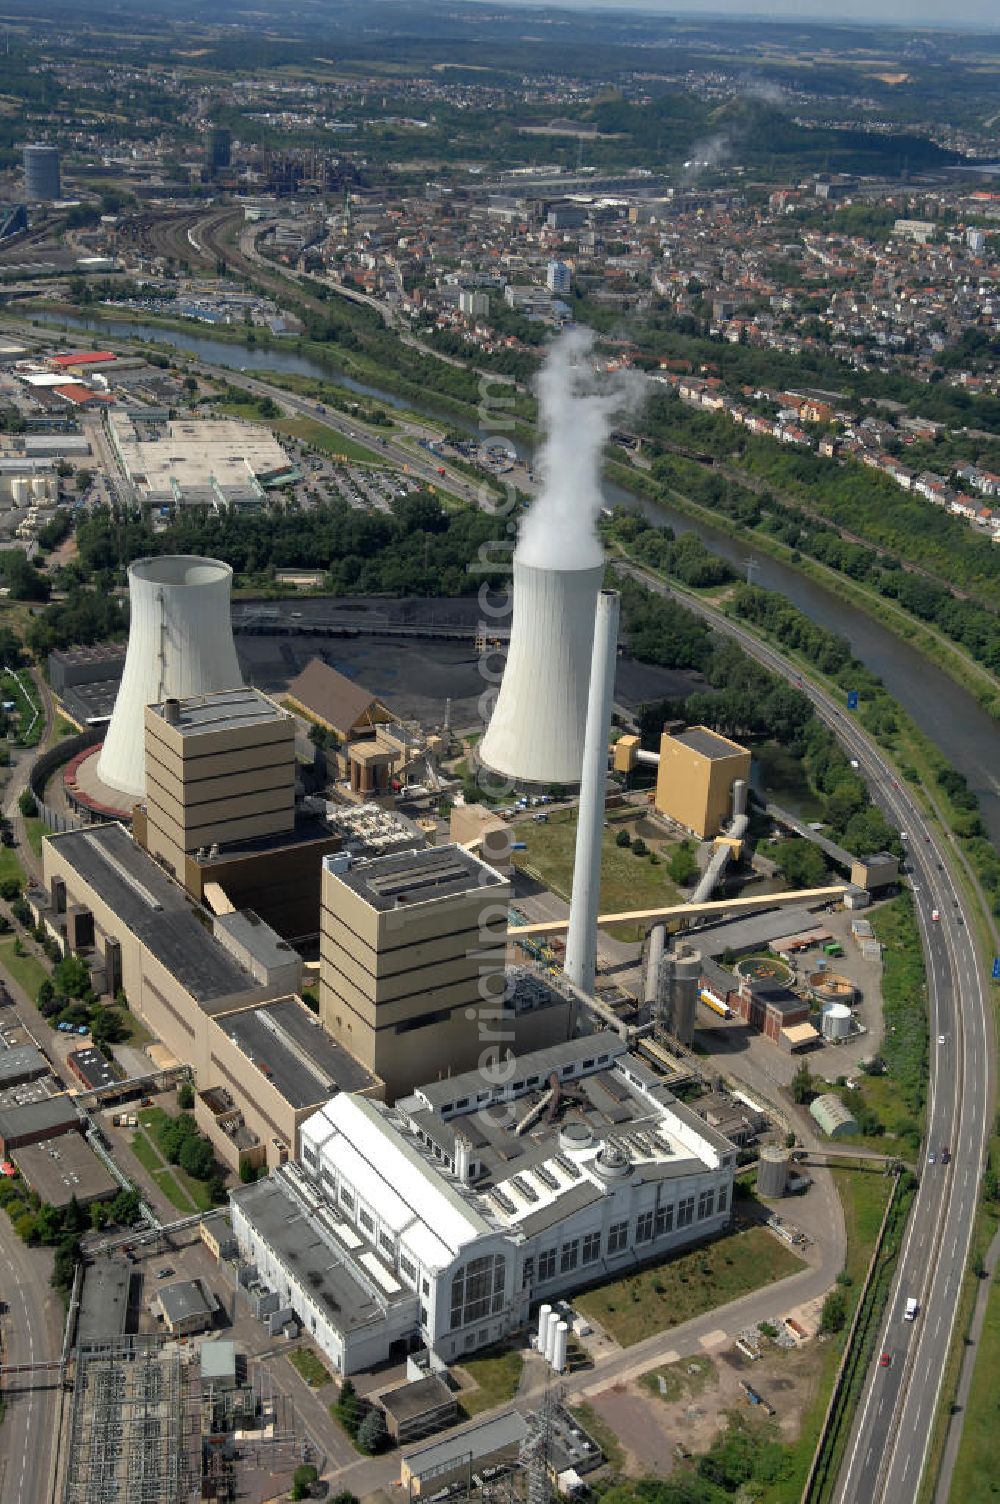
(180, 643)
(580, 964)
(536, 732)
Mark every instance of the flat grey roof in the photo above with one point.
(706, 742)
(298, 1057)
(37, 1117)
(225, 710)
(416, 877)
(412, 1400)
(185, 1299)
(758, 929)
(483, 1440)
(314, 1258)
(154, 908)
(218, 1358)
(21, 1063)
(249, 930)
(94, 1068)
(64, 1167)
(104, 1301)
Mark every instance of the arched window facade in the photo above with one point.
(477, 1290)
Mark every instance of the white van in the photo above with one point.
(910, 1313)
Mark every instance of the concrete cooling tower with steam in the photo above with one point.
(536, 732)
(180, 643)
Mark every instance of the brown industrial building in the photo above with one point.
(65, 1169)
(412, 967)
(418, 1409)
(35, 1122)
(220, 812)
(219, 767)
(373, 749)
(694, 781)
(336, 703)
(408, 944)
(215, 990)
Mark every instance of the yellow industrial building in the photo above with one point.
(694, 781)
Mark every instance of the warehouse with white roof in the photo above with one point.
(449, 1215)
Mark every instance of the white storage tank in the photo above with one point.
(772, 1171)
(836, 1021)
(560, 1346)
(20, 490)
(550, 1335)
(544, 1312)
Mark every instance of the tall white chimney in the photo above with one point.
(581, 939)
(180, 643)
(536, 732)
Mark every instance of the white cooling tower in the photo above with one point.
(536, 731)
(180, 643)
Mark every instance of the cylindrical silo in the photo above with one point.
(180, 643)
(559, 1347)
(836, 1021)
(654, 963)
(580, 962)
(544, 1312)
(681, 974)
(536, 732)
(772, 1171)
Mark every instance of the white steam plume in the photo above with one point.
(576, 409)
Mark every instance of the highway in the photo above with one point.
(887, 1450)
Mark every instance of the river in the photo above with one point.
(945, 712)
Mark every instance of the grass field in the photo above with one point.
(180, 1188)
(602, 1433)
(30, 721)
(309, 1367)
(26, 971)
(627, 881)
(149, 1157)
(310, 431)
(9, 864)
(36, 831)
(975, 1480)
(497, 1374)
(688, 1285)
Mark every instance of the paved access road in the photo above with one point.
(32, 1333)
(888, 1446)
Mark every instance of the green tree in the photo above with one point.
(27, 805)
(196, 1158)
(833, 1317)
(639, 847)
(372, 1434)
(71, 975)
(303, 1478)
(185, 1095)
(683, 864)
(802, 1085)
(623, 839)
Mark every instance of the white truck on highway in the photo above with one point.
(912, 1307)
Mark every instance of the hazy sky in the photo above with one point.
(985, 13)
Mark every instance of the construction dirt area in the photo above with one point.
(678, 1409)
